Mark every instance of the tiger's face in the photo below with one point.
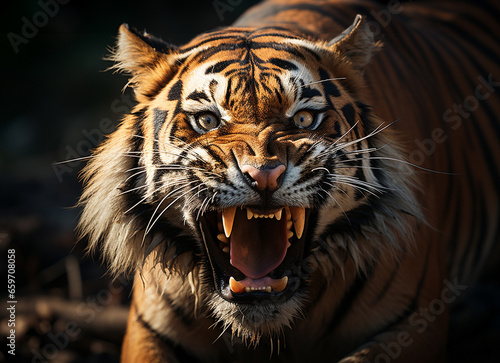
(251, 150)
(255, 147)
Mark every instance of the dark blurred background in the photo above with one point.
(57, 104)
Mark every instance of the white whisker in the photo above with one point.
(324, 80)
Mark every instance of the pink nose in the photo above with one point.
(264, 178)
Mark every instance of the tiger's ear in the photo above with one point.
(357, 43)
(147, 59)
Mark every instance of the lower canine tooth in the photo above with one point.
(281, 284)
(225, 249)
(236, 286)
(289, 234)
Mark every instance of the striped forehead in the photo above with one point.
(269, 70)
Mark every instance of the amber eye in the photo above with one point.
(303, 118)
(207, 121)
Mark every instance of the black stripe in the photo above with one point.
(213, 153)
(228, 90)
(328, 86)
(198, 96)
(175, 91)
(214, 38)
(284, 64)
(360, 175)
(159, 117)
(337, 134)
(390, 280)
(349, 297)
(283, 47)
(274, 33)
(354, 219)
(178, 351)
(278, 96)
(349, 114)
(220, 66)
(488, 155)
(413, 304)
(279, 83)
(309, 92)
(264, 86)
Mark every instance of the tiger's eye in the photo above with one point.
(303, 118)
(208, 121)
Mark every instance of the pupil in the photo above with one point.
(208, 120)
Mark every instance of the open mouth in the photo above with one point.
(255, 254)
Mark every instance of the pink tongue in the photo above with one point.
(258, 246)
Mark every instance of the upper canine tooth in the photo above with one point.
(228, 220)
(249, 214)
(299, 219)
(277, 215)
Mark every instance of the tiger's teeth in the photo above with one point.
(249, 214)
(236, 286)
(281, 284)
(289, 234)
(277, 215)
(221, 237)
(228, 220)
(225, 249)
(299, 219)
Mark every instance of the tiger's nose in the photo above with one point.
(265, 178)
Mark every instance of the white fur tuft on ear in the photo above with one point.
(149, 60)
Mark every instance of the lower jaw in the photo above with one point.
(258, 296)
(291, 268)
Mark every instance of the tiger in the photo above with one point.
(316, 182)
